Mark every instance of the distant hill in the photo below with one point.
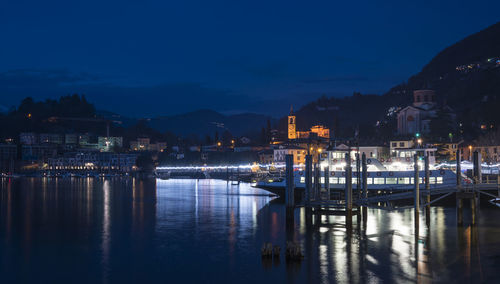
(207, 122)
(465, 76)
(200, 123)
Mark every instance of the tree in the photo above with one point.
(441, 125)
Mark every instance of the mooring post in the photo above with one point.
(478, 178)
(348, 189)
(317, 182)
(477, 167)
(327, 181)
(358, 175)
(308, 176)
(417, 191)
(459, 170)
(290, 186)
(459, 190)
(427, 188)
(365, 185)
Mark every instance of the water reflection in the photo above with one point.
(123, 230)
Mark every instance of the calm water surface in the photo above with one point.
(184, 231)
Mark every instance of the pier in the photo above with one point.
(320, 200)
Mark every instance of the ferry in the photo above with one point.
(395, 174)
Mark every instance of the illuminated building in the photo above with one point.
(292, 128)
(318, 131)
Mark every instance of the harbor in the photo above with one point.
(131, 230)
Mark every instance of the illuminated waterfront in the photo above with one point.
(122, 230)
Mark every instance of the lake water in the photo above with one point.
(90, 230)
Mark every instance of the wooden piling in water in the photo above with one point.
(417, 191)
(477, 167)
(459, 209)
(327, 181)
(317, 182)
(427, 188)
(459, 170)
(290, 187)
(364, 169)
(308, 176)
(348, 189)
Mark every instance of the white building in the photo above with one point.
(416, 118)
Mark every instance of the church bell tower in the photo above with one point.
(292, 131)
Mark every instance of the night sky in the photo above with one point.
(147, 58)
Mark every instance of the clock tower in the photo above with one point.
(292, 131)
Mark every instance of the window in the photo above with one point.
(432, 180)
(394, 144)
(302, 180)
(369, 180)
(401, 144)
(391, 180)
(404, 180)
(334, 180)
(322, 180)
(439, 180)
(341, 180)
(354, 180)
(378, 181)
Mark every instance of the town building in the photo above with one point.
(28, 138)
(51, 138)
(416, 118)
(299, 154)
(107, 144)
(144, 144)
(93, 161)
(338, 152)
(405, 144)
(70, 138)
(447, 150)
(266, 157)
(317, 131)
(489, 153)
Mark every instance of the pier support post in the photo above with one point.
(364, 169)
(327, 181)
(348, 189)
(427, 188)
(460, 219)
(308, 176)
(317, 182)
(477, 167)
(459, 170)
(417, 192)
(358, 175)
(289, 192)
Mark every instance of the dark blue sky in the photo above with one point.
(146, 58)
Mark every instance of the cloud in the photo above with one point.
(136, 100)
(19, 78)
(336, 79)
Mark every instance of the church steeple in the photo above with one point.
(292, 129)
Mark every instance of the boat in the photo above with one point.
(395, 173)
